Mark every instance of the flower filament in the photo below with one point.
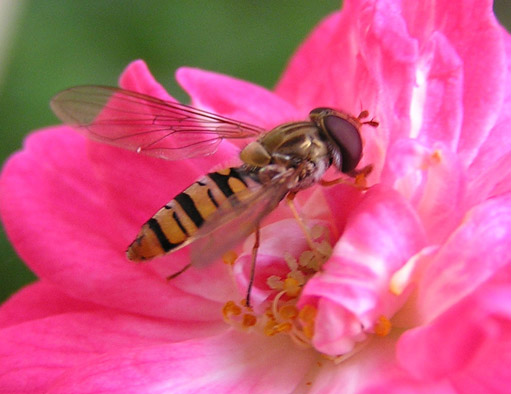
(281, 314)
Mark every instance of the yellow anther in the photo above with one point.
(249, 320)
(288, 312)
(308, 330)
(231, 309)
(436, 156)
(291, 287)
(383, 326)
(229, 257)
(269, 327)
(433, 159)
(307, 314)
(283, 327)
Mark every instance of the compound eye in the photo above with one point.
(347, 138)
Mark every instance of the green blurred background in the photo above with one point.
(48, 45)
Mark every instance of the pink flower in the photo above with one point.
(415, 296)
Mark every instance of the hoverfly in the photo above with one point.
(276, 164)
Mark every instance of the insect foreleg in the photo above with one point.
(359, 175)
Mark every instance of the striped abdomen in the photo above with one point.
(173, 226)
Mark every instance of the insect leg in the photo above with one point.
(176, 274)
(359, 175)
(252, 267)
(364, 114)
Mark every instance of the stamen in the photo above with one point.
(283, 327)
(291, 262)
(274, 282)
(299, 276)
(275, 303)
(230, 309)
(249, 320)
(307, 259)
(325, 248)
(307, 317)
(307, 314)
(230, 257)
(383, 326)
(269, 328)
(317, 231)
(288, 311)
(436, 157)
(292, 287)
(281, 316)
(433, 159)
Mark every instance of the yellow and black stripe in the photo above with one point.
(173, 225)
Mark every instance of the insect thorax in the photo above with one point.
(292, 145)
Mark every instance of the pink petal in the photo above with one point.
(37, 301)
(433, 180)
(356, 57)
(470, 343)
(236, 99)
(359, 58)
(333, 67)
(230, 363)
(137, 77)
(407, 386)
(491, 168)
(483, 81)
(436, 106)
(341, 200)
(58, 214)
(34, 354)
(353, 289)
(373, 363)
(473, 253)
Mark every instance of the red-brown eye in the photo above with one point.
(347, 137)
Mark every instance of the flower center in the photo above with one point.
(280, 314)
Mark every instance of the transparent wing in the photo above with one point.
(145, 124)
(237, 218)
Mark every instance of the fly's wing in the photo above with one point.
(237, 218)
(145, 124)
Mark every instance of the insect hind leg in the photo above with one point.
(252, 266)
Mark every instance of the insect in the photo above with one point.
(221, 209)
